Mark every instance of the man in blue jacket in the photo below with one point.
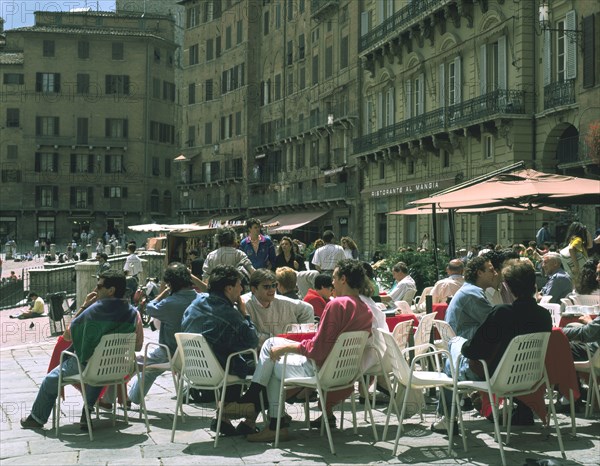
(220, 315)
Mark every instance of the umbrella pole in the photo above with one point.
(451, 234)
(435, 244)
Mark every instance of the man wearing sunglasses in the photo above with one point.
(270, 312)
(103, 312)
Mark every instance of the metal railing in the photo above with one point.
(338, 110)
(493, 103)
(297, 196)
(318, 6)
(559, 93)
(398, 22)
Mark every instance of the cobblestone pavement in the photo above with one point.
(23, 365)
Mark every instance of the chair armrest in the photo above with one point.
(430, 354)
(70, 353)
(251, 351)
(152, 343)
(429, 346)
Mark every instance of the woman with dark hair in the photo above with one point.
(574, 254)
(287, 257)
(587, 284)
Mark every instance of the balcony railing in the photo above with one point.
(440, 120)
(559, 93)
(319, 6)
(296, 196)
(398, 22)
(338, 110)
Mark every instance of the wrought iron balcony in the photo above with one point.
(339, 111)
(480, 108)
(296, 196)
(398, 22)
(559, 94)
(318, 7)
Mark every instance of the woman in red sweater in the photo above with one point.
(345, 313)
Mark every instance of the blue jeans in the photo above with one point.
(158, 356)
(462, 366)
(46, 397)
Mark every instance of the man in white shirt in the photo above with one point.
(447, 287)
(327, 256)
(270, 312)
(132, 268)
(404, 286)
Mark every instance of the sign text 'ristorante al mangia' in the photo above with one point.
(408, 188)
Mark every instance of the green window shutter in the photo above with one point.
(547, 57)
(571, 45)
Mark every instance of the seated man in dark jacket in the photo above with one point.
(505, 322)
(220, 315)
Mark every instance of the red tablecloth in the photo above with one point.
(566, 319)
(440, 310)
(298, 336)
(395, 320)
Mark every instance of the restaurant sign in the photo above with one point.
(408, 188)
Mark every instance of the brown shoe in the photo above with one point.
(30, 423)
(235, 410)
(267, 435)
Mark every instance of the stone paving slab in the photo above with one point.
(22, 370)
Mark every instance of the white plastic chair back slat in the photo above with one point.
(421, 300)
(113, 359)
(554, 310)
(342, 366)
(585, 299)
(403, 307)
(423, 332)
(198, 362)
(522, 364)
(398, 361)
(409, 296)
(446, 332)
(401, 333)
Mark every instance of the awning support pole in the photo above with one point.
(435, 243)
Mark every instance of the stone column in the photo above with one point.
(86, 279)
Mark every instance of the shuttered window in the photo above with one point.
(589, 52)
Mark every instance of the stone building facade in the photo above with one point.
(90, 125)
(351, 109)
(457, 89)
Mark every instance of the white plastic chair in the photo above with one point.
(402, 332)
(564, 302)
(545, 299)
(409, 296)
(585, 299)
(521, 371)
(403, 307)
(412, 378)
(165, 366)
(112, 361)
(300, 328)
(554, 310)
(591, 366)
(419, 305)
(200, 369)
(446, 334)
(340, 370)
(423, 333)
